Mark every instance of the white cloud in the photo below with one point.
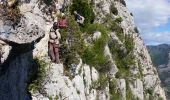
(156, 38)
(149, 13)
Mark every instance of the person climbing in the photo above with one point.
(53, 43)
(62, 22)
(80, 19)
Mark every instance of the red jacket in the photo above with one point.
(62, 23)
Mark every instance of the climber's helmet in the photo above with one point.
(75, 12)
(63, 17)
(55, 25)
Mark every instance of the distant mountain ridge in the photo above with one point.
(159, 53)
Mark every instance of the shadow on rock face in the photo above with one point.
(15, 71)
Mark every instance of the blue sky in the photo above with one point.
(153, 19)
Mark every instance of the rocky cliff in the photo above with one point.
(104, 59)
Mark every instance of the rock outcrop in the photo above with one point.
(107, 61)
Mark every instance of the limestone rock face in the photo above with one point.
(29, 28)
(137, 89)
(96, 35)
(57, 85)
(26, 50)
(5, 49)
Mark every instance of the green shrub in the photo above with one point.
(124, 65)
(115, 49)
(75, 44)
(114, 92)
(113, 9)
(129, 43)
(108, 20)
(129, 95)
(70, 50)
(102, 82)
(84, 8)
(119, 31)
(122, 60)
(151, 94)
(140, 68)
(114, 25)
(38, 76)
(94, 55)
(150, 91)
(118, 20)
(50, 98)
(106, 68)
(56, 97)
(123, 73)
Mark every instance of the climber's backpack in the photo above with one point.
(79, 17)
(62, 23)
(82, 20)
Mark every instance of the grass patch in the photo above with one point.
(101, 83)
